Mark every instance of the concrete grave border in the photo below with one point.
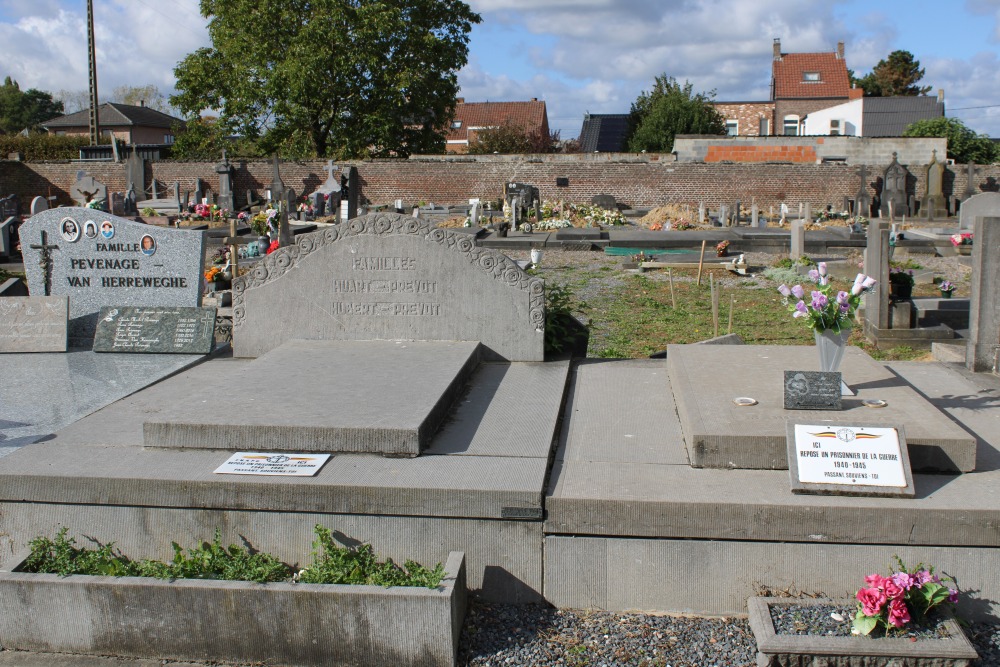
(494, 264)
(305, 624)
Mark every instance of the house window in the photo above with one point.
(732, 128)
(811, 77)
(764, 127)
(456, 124)
(107, 133)
(791, 126)
(168, 139)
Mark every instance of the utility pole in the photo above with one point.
(95, 130)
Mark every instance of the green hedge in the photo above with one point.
(41, 147)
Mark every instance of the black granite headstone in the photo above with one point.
(812, 390)
(155, 330)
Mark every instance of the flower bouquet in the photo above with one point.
(946, 287)
(902, 597)
(827, 309)
(964, 238)
(722, 248)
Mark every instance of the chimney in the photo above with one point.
(940, 95)
(142, 103)
(460, 100)
(534, 99)
(777, 48)
(840, 50)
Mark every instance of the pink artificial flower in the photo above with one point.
(893, 591)
(904, 580)
(798, 292)
(800, 310)
(952, 595)
(842, 297)
(872, 600)
(874, 580)
(813, 274)
(822, 268)
(899, 614)
(784, 290)
(868, 282)
(819, 300)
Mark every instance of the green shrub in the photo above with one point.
(786, 276)
(38, 147)
(560, 330)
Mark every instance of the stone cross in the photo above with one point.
(45, 261)
(863, 200)
(970, 189)
(277, 186)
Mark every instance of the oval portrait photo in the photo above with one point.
(70, 230)
(148, 245)
(90, 229)
(107, 229)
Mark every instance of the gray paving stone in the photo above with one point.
(327, 396)
(719, 434)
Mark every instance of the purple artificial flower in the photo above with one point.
(813, 274)
(842, 297)
(800, 310)
(952, 595)
(784, 290)
(904, 580)
(822, 268)
(819, 301)
(798, 292)
(923, 576)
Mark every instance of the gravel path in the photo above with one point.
(537, 636)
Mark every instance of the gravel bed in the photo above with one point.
(820, 620)
(496, 635)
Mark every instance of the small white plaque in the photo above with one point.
(259, 463)
(859, 456)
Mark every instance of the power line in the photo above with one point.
(987, 106)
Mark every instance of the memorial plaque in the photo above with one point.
(98, 260)
(290, 465)
(33, 324)
(812, 390)
(849, 459)
(163, 330)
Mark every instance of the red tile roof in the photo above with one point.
(532, 116)
(789, 82)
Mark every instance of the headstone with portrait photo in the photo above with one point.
(98, 260)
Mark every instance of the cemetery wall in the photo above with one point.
(638, 180)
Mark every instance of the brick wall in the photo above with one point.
(642, 181)
(802, 154)
(748, 115)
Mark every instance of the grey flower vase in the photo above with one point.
(831, 348)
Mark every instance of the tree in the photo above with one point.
(148, 95)
(510, 138)
(73, 100)
(20, 110)
(897, 75)
(359, 77)
(964, 145)
(668, 110)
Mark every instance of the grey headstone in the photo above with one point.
(199, 191)
(984, 205)
(811, 390)
(86, 189)
(755, 220)
(169, 330)
(877, 266)
(318, 200)
(798, 242)
(135, 173)
(607, 202)
(970, 182)
(894, 190)
(863, 200)
(100, 271)
(934, 204)
(10, 206)
(39, 204)
(386, 276)
(225, 172)
(34, 324)
(277, 185)
(984, 314)
(807, 215)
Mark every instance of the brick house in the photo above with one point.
(801, 83)
(471, 117)
(129, 123)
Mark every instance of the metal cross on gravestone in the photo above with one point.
(45, 261)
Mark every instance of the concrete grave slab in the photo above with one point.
(386, 276)
(983, 205)
(329, 396)
(33, 324)
(98, 259)
(719, 434)
(42, 393)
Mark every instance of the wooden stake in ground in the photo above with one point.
(673, 299)
(732, 302)
(701, 261)
(715, 306)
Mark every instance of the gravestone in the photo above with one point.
(318, 201)
(877, 266)
(33, 324)
(807, 213)
(984, 205)
(39, 204)
(117, 203)
(970, 182)
(331, 189)
(199, 191)
(984, 308)
(135, 173)
(934, 204)
(225, 172)
(863, 200)
(125, 264)
(755, 220)
(277, 185)
(7, 236)
(155, 330)
(798, 244)
(607, 202)
(10, 206)
(894, 196)
(290, 201)
(386, 276)
(86, 190)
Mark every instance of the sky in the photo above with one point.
(579, 56)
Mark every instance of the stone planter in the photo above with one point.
(161, 220)
(232, 621)
(815, 651)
